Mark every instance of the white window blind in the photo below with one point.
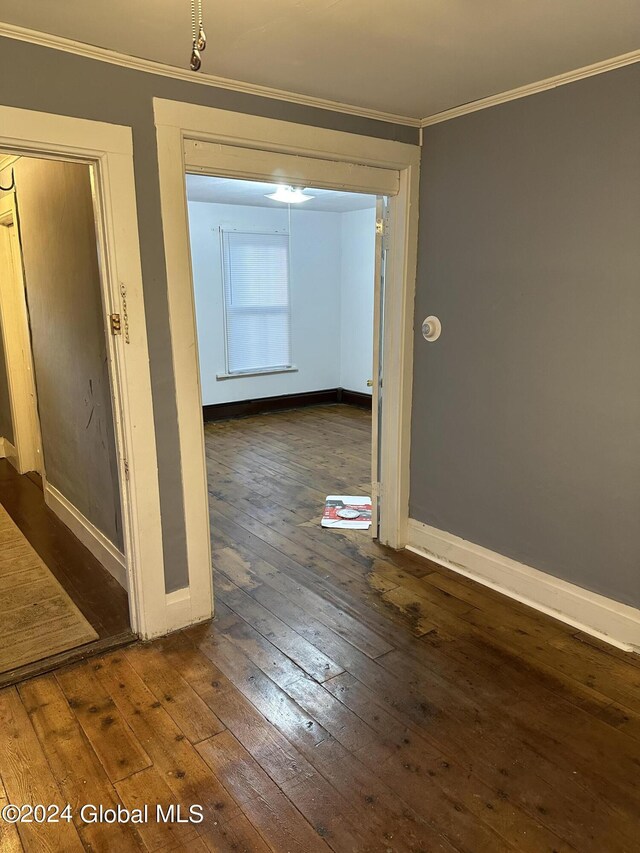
(256, 298)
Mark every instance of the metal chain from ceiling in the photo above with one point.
(198, 34)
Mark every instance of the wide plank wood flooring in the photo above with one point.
(346, 697)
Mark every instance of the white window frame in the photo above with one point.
(108, 149)
(258, 371)
(347, 161)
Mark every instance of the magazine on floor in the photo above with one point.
(347, 512)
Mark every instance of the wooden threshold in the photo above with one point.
(40, 667)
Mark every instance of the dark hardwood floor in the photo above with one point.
(346, 697)
(95, 592)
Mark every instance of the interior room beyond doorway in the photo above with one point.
(309, 327)
(284, 281)
(62, 570)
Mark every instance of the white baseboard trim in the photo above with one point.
(8, 452)
(609, 620)
(93, 539)
(182, 612)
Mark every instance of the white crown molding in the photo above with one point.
(534, 88)
(148, 66)
(602, 617)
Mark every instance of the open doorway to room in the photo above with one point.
(63, 572)
(203, 141)
(287, 287)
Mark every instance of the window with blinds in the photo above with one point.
(256, 300)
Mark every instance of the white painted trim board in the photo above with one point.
(93, 539)
(609, 620)
(8, 452)
(108, 149)
(181, 610)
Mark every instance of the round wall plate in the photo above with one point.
(431, 329)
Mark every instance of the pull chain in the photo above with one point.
(202, 38)
(198, 35)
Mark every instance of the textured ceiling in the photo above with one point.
(409, 57)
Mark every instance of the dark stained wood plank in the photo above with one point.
(519, 776)
(225, 827)
(119, 751)
(271, 750)
(327, 603)
(75, 766)
(148, 788)
(305, 655)
(9, 838)
(28, 780)
(330, 814)
(359, 738)
(193, 717)
(279, 822)
(249, 576)
(355, 662)
(318, 745)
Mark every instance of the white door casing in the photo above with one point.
(220, 142)
(108, 150)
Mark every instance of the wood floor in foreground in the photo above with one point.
(345, 698)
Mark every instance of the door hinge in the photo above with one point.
(383, 230)
(116, 324)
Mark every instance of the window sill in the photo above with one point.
(270, 372)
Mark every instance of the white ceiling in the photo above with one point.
(410, 57)
(252, 193)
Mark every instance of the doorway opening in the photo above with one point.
(288, 304)
(63, 569)
(207, 141)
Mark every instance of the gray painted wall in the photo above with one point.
(526, 417)
(6, 425)
(58, 237)
(38, 78)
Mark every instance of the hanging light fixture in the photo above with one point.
(198, 33)
(289, 195)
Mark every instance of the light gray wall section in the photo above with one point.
(526, 415)
(39, 78)
(6, 425)
(60, 257)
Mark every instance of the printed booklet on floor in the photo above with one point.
(347, 511)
